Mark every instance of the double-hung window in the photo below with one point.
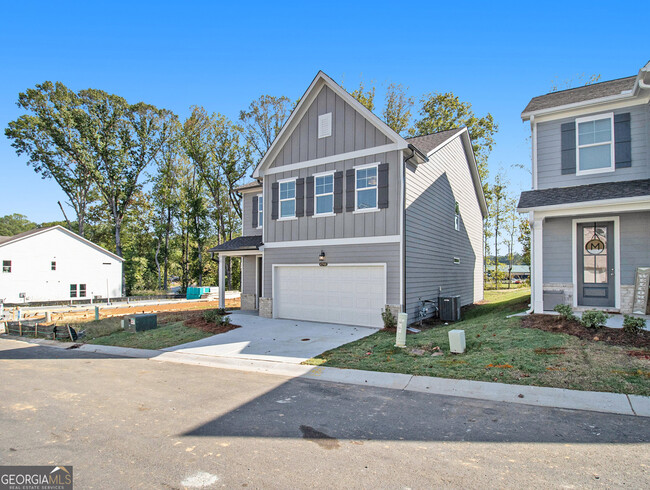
(82, 290)
(73, 290)
(287, 198)
(595, 145)
(324, 194)
(260, 211)
(366, 188)
(6, 266)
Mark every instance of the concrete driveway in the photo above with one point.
(291, 341)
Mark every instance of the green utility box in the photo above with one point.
(139, 323)
(196, 293)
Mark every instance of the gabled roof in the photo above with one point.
(428, 142)
(251, 242)
(300, 109)
(596, 93)
(37, 231)
(583, 193)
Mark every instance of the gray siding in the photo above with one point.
(247, 213)
(343, 225)
(388, 253)
(350, 132)
(248, 274)
(558, 253)
(557, 261)
(431, 239)
(549, 171)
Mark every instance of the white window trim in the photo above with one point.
(611, 143)
(287, 218)
(328, 213)
(356, 189)
(260, 222)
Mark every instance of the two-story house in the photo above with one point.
(345, 217)
(589, 208)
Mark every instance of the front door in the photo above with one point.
(596, 271)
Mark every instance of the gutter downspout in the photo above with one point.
(403, 306)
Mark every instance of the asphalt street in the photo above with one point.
(135, 423)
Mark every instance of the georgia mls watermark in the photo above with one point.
(35, 477)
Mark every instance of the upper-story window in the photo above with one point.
(260, 210)
(324, 194)
(53, 265)
(366, 189)
(457, 216)
(595, 148)
(287, 198)
(6, 266)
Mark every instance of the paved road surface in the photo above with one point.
(133, 423)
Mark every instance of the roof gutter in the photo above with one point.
(417, 154)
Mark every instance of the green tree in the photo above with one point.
(397, 110)
(496, 210)
(366, 97)
(262, 122)
(524, 239)
(49, 137)
(444, 111)
(511, 228)
(12, 224)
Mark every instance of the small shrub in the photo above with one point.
(594, 319)
(565, 311)
(389, 319)
(216, 316)
(633, 324)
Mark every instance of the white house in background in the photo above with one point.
(55, 264)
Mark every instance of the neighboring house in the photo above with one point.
(54, 264)
(520, 272)
(590, 205)
(346, 217)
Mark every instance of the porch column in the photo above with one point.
(222, 281)
(538, 265)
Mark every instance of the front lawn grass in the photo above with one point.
(109, 332)
(499, 349)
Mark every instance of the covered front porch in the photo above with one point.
(249, 249)
(591, 256)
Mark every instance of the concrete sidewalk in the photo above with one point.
(526, 395)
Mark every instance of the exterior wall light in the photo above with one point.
(321, 258)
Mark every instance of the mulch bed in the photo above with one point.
(614, 336)
(200, 323)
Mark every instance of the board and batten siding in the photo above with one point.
(549, 166)
(432, 242)
(248, 281)
(558, 253)
(247, 213)
(379, 253)
(347, 224)
(350, 132)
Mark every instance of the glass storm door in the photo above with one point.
(596, 272)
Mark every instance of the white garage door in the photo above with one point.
(353, 295)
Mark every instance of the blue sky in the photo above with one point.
(223, 55)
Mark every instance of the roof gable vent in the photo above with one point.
(325, 125)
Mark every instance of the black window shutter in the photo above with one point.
(300, 197)
(622, 140)
(275, 194)
(349, 189)
(338, 192)
(569, 148)
(255, 209)
(310, 196)
(382, 185)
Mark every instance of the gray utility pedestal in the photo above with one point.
(139, 323)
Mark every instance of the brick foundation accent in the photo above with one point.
(248, 301)
(266, 307)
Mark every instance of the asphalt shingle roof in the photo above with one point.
(253, 242)
(428, 142)
(580, 94)
(5, 239)
(250, 185)
(584, 193)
